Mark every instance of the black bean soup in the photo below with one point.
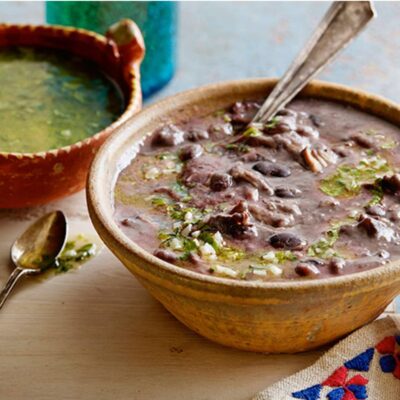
(312, 193)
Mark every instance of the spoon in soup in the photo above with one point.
(342, 23)
(37, 249)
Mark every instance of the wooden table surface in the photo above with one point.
(95, 333)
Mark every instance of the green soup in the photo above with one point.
(50, 99)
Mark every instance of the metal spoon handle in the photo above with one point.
(343, 21)
(12, 280)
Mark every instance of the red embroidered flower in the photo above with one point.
(346, 389)
(390, 361)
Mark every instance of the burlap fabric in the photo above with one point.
(364, 365)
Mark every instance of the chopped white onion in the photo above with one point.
(260, 272)
(177, 225)
(186, 231)
(207, 251)
(176, 244)
(274, 270)
(188, 217)
(220, 269)
(270, 256)
(219, 240)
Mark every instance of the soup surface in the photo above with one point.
(50, 99)
(313, 193)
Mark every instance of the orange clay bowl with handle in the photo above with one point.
(274, 317)
(29, 179)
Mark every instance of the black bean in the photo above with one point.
(167, 135)
(363, 140)
(286, 241)
(219, 182)
(394, 213)
(336, 265)
(306, 269)
(190, 152)
(128, 222)
(287, 192)
(166, 255)
(271, 169)
(391, 184)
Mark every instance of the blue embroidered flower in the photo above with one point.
(390, 360)
(311, 393)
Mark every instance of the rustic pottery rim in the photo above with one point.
(119, 239)
(130, 107)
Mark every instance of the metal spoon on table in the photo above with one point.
(343, 21)
(37, 248)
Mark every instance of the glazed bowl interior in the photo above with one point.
(266, 307)
(86, 45)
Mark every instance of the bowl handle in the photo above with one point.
(129, 40)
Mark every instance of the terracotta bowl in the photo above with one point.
(271, 317)
(28, 179)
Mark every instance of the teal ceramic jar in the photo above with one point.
(157, 21)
